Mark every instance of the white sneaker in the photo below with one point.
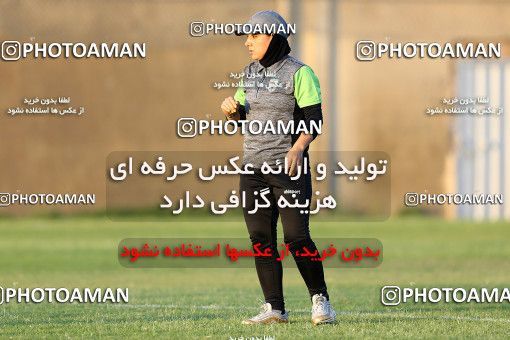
(267, 315)
(322, 312)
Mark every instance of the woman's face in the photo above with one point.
(257, 45)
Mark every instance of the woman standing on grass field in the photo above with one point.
(278, 87)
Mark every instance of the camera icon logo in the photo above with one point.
(187, 127)
(197, 29)
(411, 199)
(5, 199)
(11, 50)
(390, 295)
(365, 50)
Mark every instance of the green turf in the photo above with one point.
(188, 303)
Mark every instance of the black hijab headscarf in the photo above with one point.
(278, 48)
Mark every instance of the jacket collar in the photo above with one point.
(273, 68)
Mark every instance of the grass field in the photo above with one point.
(210, 303)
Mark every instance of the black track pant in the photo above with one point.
(262, 229)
